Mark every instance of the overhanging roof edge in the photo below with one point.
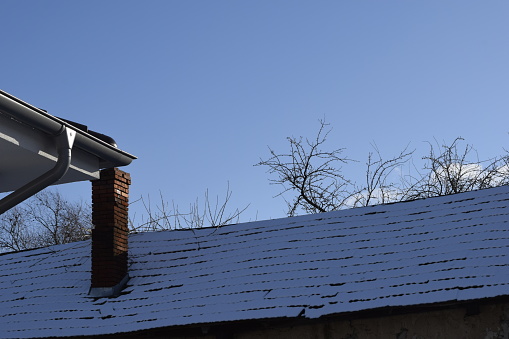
(110, 156)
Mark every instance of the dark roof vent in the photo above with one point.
(107, 139)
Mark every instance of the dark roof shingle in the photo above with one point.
(450, 248)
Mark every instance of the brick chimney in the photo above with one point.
(110, 200)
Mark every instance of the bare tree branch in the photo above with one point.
(46, 219)
(165, 218)
(313, 174)
(313, 178)
(378, 189)
(455, 170)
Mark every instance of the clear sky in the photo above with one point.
(197, 90)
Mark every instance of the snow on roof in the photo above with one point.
(450, 248)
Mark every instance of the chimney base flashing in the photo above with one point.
(114, 291)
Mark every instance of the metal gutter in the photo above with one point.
(64, 147)
(109, 155)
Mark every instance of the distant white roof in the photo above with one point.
(451, 248)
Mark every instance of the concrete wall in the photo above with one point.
(492, 322)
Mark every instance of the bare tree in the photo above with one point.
(377, 188)
(165, 217)
(455, 169)
(312, 173)
(48, 219)
(313, 176)
(45, 219)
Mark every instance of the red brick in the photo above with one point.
(110, 201)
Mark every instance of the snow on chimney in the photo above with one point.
(110, 200)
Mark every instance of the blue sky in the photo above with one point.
(197, 90)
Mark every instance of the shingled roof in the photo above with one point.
(452, 248)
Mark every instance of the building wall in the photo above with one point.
(487, 321)
(492, 322)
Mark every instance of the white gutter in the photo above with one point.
(66, 137)
(64, 142)
(109, 155)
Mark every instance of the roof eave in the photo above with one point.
(109, 155)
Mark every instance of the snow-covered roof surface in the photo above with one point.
(426, 251)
